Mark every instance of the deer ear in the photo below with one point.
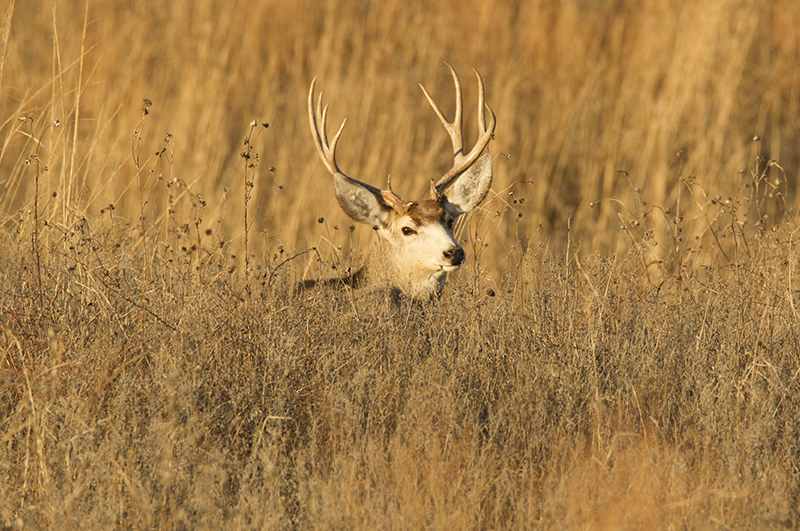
(361, 201)
(469, 189)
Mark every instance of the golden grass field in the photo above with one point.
(621, 351)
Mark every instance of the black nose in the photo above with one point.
(455, 255)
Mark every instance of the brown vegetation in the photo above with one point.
(621, 351)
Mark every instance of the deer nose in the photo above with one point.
(455, 255)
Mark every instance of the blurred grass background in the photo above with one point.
(621, 351)
(583, 91)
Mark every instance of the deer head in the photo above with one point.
(415, 248)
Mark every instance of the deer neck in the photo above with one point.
(385, 269)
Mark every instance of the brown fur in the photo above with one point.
(426, 212)
(353, 280)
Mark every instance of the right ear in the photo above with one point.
(361, 201)
(470, 188)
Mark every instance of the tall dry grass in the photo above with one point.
(620, 352)
(577, 393)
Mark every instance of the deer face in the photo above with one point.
(416, 248)
(419, 248)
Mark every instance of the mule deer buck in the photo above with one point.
(415, 248)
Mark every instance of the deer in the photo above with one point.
(415, 247)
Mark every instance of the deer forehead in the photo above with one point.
(425, 213)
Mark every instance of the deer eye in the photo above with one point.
(408, 231)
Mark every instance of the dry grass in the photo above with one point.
(621, 352)
(573, 395)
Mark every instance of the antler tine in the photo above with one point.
(322, 112)
(326, 150)
(460, 161)
(481, 103)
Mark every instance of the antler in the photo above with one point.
(461, 162)
(326, 150)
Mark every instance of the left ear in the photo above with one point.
(469, 189)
